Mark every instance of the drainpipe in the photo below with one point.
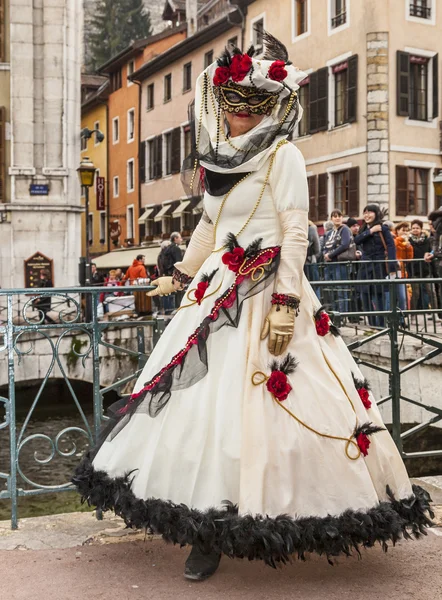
(242, 12)
(138, 83)
(108, 188)
(191, 16)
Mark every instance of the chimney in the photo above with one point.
(191, 12)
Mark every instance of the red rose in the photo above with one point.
(363, 394)
(363, 443)
(277, 70)
(234, 259)
(201, 290)
(240, 66)
(278, 385)
(322, 324)
(221, 76)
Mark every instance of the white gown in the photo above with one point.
(226, 439)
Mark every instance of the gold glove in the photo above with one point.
(165, 286)
(280, 324)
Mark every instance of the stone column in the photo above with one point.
(378, 178)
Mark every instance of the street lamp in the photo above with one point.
(86, 173)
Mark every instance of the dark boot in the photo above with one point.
(200, 566)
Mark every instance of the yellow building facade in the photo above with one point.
(94, 113)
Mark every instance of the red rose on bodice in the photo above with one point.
(221, 76)
(234, 259)
(364, 396)
(363, 443)
(278, 385)
(201, 290)
(322, 324)
(240, 66)
(277, 70)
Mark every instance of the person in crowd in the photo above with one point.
(419, 269)
(43, 304)
(390, 226)
(136, 271)
(404, 254)
(313, 254)
(355, 296)
(111, 281)
(434, 257)
(96, 277)
(119, 275)
(161, 257)
(337, 241)
(172, 254)
(379, 261)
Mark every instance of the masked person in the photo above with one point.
(251, 431)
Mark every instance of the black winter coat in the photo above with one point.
(373, 250)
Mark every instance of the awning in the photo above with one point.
(165, 211)
(198, 208)
(124, 258)
(146, 214)
(181, 208)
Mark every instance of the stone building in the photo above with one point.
(40, 57)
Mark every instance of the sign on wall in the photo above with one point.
(33, 265)
(100, 193)
(39, 189)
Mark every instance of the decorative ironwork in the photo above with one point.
(418, 10)
(339, 20)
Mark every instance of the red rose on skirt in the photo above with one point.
(221, 76)
(234, 259)
(201, 290)
(322, 324)
(363, 443)
(277, 70)
(278, 385)
(363, 394)
(240, 66)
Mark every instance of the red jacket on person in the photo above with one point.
(136, 270)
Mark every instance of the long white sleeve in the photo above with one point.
(288, 182)
(200, 247)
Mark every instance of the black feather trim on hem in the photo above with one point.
(271, 539)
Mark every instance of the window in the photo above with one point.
(115, 130)
(102, 227)
(96, 128)
(208, 59)
(150, 96)
(154, 157)
(304, 92)
(116, 190)
(344, 92)
(346, 191)
(130, 222)
(131, 125)
(187, 142)
(187, 77)
(233, 41)
(168, 87)
(318, 100)
(167, 140)
(83, 142)
(411, 191)
(90, 228)
(339, 13)
(301, 17)
(130, 70)
(115, 81)
(420, 9)
(130, 175)
(257, 35)
(417, 86)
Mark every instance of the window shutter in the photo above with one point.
(352, 88)
(158, 157)
(313, 117)
(176, 150)
(353, 192)
(435, 86)
(401, 190)
(142, 161)
(322, 102)
(313, 198)
(2, 153)
(322, 197)
(403, 83)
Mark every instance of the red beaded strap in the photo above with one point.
(181, 277)
(285, 300)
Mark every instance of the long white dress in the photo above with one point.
(225, 438)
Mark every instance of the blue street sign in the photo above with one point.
(39, 189)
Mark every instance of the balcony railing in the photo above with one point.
(423, 12)
(339, 19)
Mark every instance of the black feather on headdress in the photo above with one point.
(225, 59)
(273, 48)
(251, 51)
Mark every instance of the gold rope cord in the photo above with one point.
(263, 378)
(193, 301)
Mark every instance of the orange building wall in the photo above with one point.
(120, 102)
